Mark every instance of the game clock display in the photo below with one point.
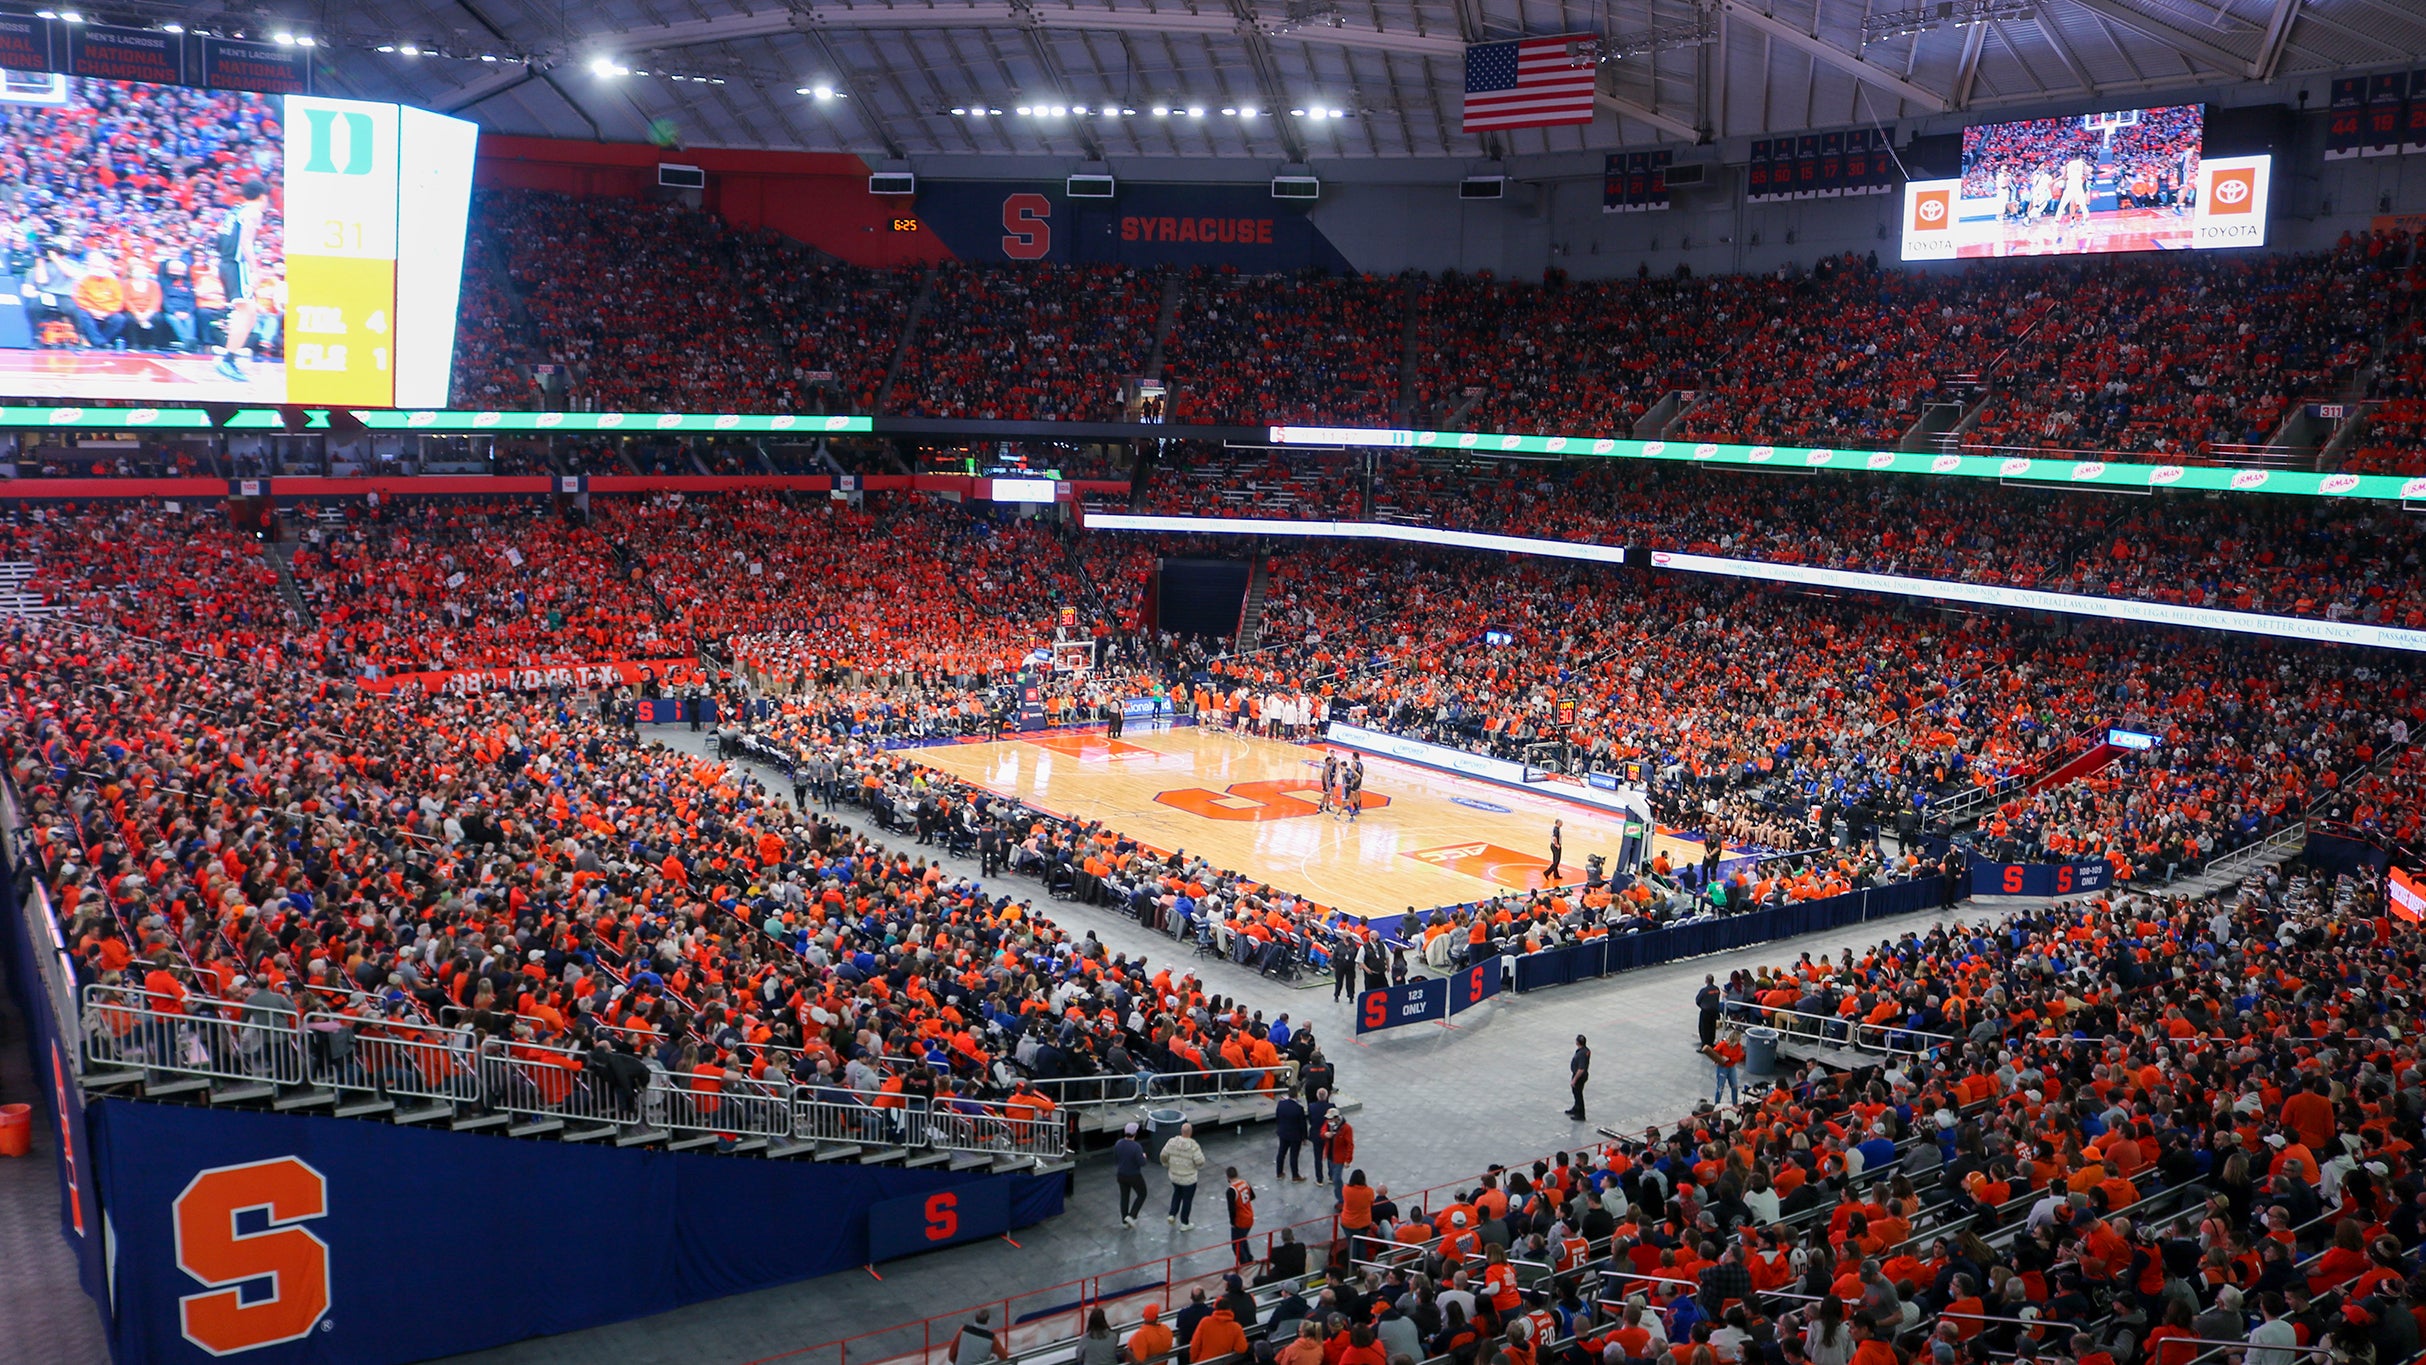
(298, 250)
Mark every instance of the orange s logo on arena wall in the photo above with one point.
(1931, 209)
(2232, 190)
(290, 1257)
(1271, 800)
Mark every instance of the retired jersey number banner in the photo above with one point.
(282, 1239)
(1415, 1002)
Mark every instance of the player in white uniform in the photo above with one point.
(2076, 191)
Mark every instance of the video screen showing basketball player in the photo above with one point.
(2123, 180)
(141, 229)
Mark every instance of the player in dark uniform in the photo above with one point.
(1330, 781)
(1352, 787)
(237, 233)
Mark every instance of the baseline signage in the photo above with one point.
(1485, 768)
(2040, 879)
(2061, 471)
(1412, 1002)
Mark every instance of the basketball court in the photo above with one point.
(1422, 839)
(65, 373)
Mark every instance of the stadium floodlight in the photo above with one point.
(1246, 111)
(69, 16)
(1077, 108)
(46, 14)
(823, 92)
(1162, 111)
(1061, 110)
(411, 51)
(283, 39)
(1196, 111)
(1228, 110)
(172, 27)
(383, 47)
(307, 40)
(1024, 111)
(1297, 113)
(960, 109)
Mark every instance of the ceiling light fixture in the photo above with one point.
(1196, 111)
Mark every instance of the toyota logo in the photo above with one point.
(1932, 209)
(2231, 191)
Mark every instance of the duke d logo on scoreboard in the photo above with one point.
(335, 133)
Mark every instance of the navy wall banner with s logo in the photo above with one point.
(290, 1240)
(1142, 225)
(2040, 879)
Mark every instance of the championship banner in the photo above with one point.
(126, 54)
(235, 64)
(2040, 879)
(1473, 986)
(925, 1222)
(25, 43)
(1416, 1002)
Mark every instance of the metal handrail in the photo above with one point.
(119, 1028)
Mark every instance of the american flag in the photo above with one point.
(1529, 83)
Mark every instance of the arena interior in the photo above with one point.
(1098, 682)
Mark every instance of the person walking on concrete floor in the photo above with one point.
(1183, 1161)
(1129, 1170)
(1579, 1070)
(1242, 1215)
(1289, 1123)
(1726, 1055)
(1709, 1000)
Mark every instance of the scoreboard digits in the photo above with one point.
(341, 158)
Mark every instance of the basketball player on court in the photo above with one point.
(1330, 780)
(2075, 208)
(237, 232)
(1352, 787)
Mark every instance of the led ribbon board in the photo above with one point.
(2083, 473)
(1933, 589)
(631, 423)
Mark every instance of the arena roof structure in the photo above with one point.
(1294, 79)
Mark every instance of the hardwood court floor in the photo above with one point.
(1423, 839)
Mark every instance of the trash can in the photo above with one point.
(1760, 1051)
(1162, 1125)
(16, 1129)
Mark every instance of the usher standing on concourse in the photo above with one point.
(1579, 1070)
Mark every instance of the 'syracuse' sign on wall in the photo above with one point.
(1142, 225)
